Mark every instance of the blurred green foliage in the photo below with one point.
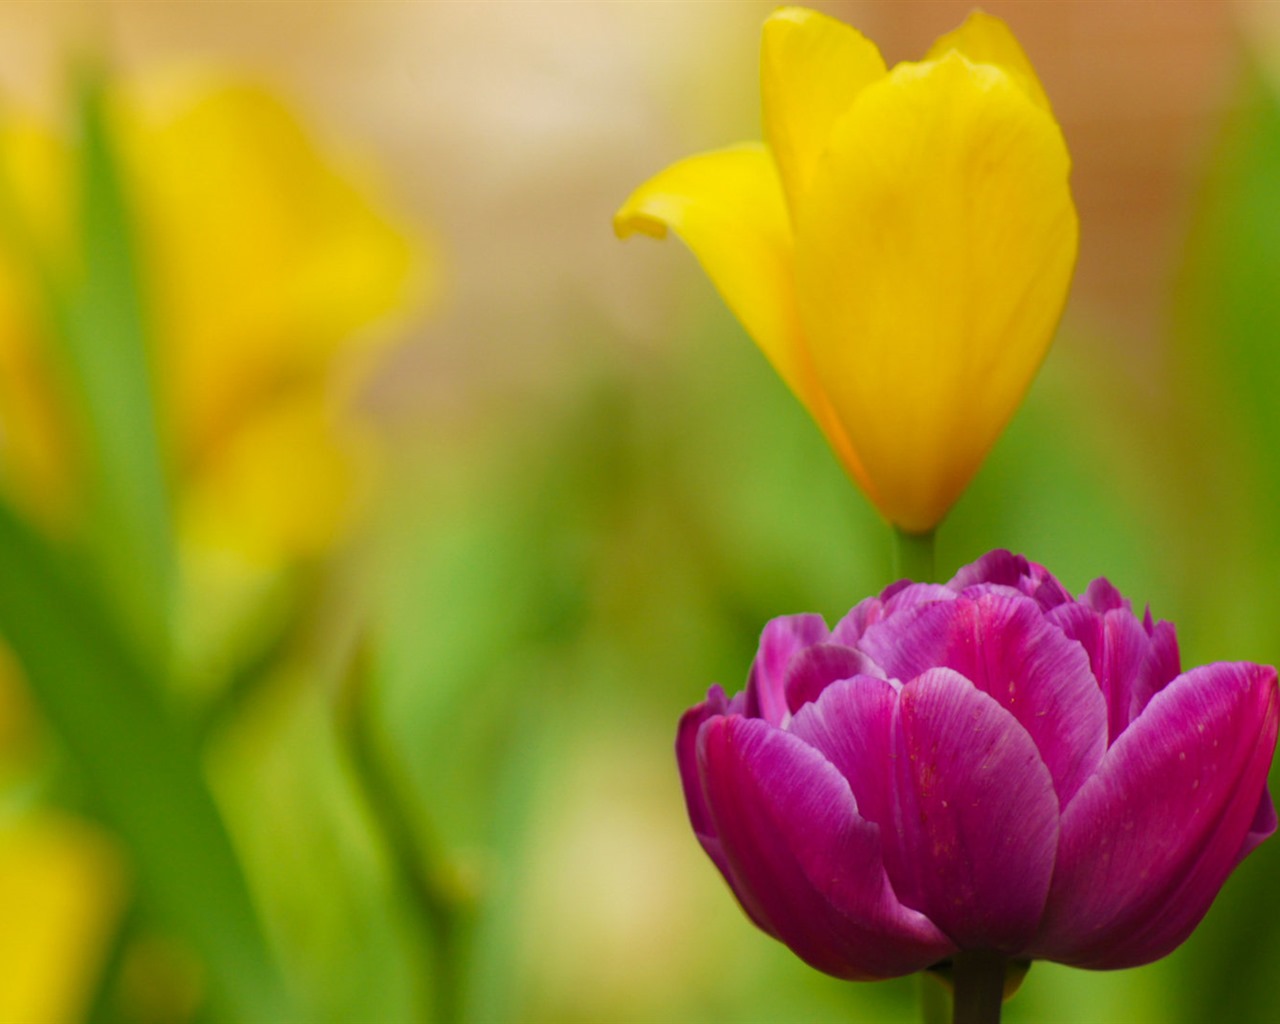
(93, 644)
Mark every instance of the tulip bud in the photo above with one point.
(900, 247)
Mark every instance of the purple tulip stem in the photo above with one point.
(913, 556)
(978, 979)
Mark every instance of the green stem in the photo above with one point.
(418, 866)
(978, 977)
(913, 556)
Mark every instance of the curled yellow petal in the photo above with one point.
(727, 207)
(934, 251)
(985, 39)
(811, 68)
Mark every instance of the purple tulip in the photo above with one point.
(987, 764)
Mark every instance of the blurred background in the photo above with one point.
(371, 514)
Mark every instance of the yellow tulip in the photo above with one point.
(270, 271)
(900, 247)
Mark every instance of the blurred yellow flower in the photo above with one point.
(900, 248)
(62, 890)
(268, 271)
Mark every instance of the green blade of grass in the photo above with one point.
(106, 707)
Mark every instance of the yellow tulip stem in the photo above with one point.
(913, 556)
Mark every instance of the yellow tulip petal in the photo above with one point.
(934, 252)
(727, 206)
(985, 39)
(811, 68)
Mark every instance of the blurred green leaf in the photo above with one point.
(1229, 311)
(101, 323)
(767, 507)
(105, 705)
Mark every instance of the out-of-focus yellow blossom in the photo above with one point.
(62, 890)
(267, 270)
(900, 248)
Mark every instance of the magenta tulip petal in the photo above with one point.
(781, 641)
(687, 761)
(813, 670)
(1118, 649)
(801, 859)
(849, 630)
(1160, 666)
(1163, 665)
(1102, 596)
(915, 594)
(1148, 842)
(1003, 645)
(1002, 568)
(977, 828)
(851, 725)
(1263, 827)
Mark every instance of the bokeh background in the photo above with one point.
(448, 504)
